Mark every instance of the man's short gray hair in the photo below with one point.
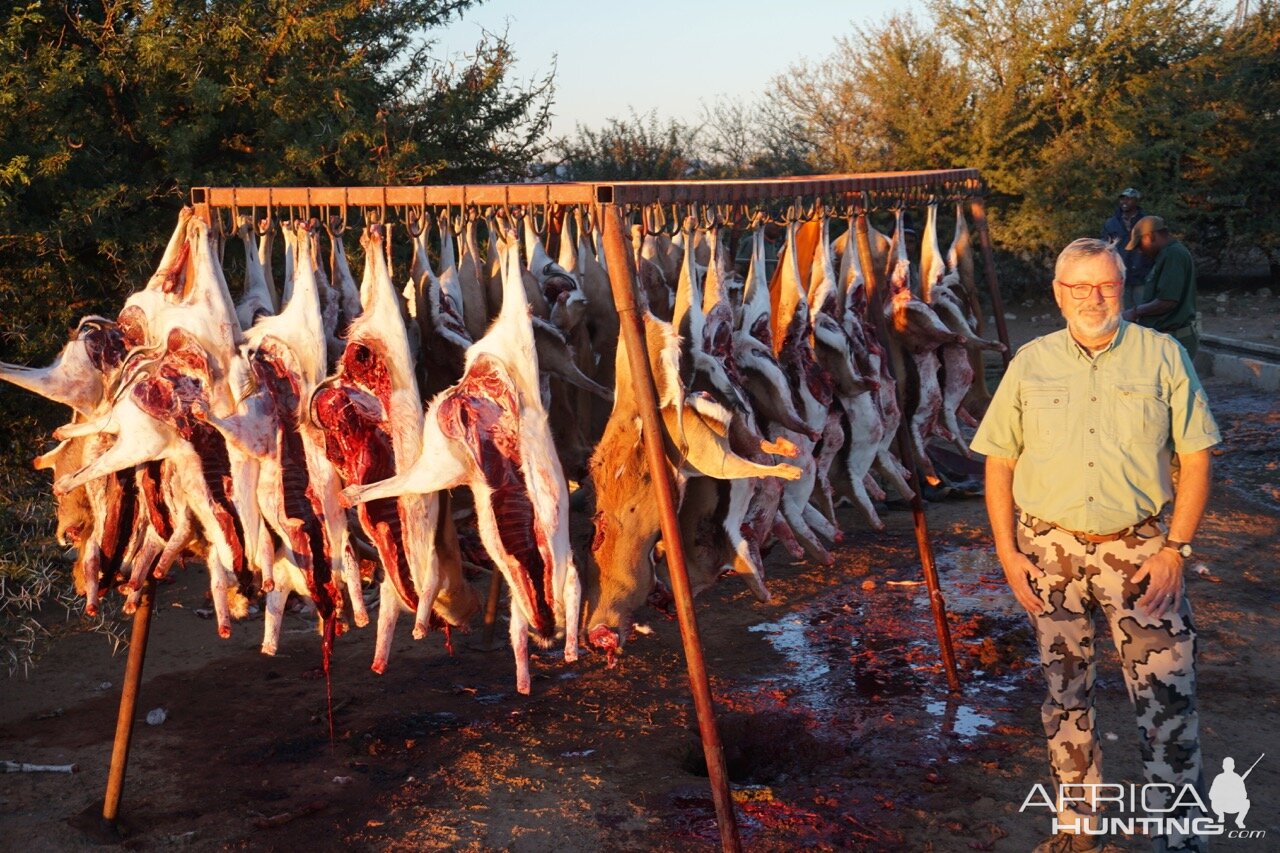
(1087, 247)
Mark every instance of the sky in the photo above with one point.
(668, 55)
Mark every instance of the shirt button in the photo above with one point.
(1055, 399)
(1090, 500)
(1095, 368)
(1092, 430)
(1090, 465)
(1092, 399)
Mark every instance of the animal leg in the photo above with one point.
(355, 588)
(894, 472)
(218, 591)
(388, 610)
(571, 594)
(271, 619)
(520, 648)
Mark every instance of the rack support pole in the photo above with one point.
(978, 209)
(128, 702)
(897, 367)
(621, 279)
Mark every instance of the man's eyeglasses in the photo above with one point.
(1108, 289)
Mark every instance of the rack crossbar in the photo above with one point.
(967, 181)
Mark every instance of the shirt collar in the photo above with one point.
(1080, 352)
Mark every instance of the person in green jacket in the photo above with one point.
(1166, 301)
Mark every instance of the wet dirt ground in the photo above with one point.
(839, 731)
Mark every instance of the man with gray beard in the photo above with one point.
(1079, 440)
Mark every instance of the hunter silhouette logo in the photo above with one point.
(1153, 809)
(1227, 794)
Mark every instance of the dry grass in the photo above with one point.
(35, 575)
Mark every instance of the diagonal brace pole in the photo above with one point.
(622, 280)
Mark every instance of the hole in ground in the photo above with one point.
(761, 746)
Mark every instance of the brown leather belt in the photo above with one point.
(1091, 538)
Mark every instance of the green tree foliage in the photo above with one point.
(111, 109)
(887, 97)
(1061, 103)
(1231, 175)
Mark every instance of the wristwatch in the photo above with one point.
(1183, 548)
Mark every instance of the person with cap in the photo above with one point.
(1166, 301)
(1116, 230)
(1079, 438)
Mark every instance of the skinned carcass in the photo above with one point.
(602, 316)
(921, 334)
(188, 292)
(960, 281)
(812, 393)
(155, 407)
(490, 432)
(943, 292)
(297, 486)
(441, 328)
(653, 281)
(256, 300)
(475, 308)
(872, 361)
(82, 373)
(184, 328)
(855, 382)
(566, 305)
(340, 276)
(732, 537)
(601, 324)
(762, 379)
(330, 299)
(563, 340)
(371, 414)
(266, 242)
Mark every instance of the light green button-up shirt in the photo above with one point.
(1094, 436)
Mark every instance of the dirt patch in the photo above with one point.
(835, 715)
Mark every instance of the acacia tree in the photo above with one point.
(744, 139)
(1061, 103)
(639, 147)
(111, 109)
(887, 97)
(1229, 180)
(1055, 102)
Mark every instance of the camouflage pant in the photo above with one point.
(1157, 657)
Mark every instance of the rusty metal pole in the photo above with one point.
(621, 279)
(128, 702)
(978, 209)
(897, 367)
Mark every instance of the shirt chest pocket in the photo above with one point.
(1141, 415)
(1044, 418)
